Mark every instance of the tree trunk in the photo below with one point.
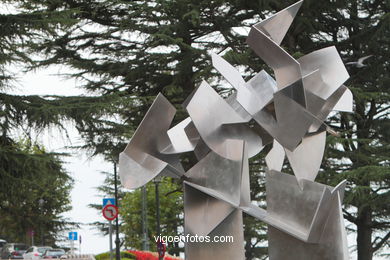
(364, 233)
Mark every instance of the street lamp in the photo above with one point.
(117, 241)
(41, 202)
(157, 181)
(145, 240)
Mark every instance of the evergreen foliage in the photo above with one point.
(361, 153)
(34, 193)
(128, 51)
(34, 187)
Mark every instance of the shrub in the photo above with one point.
(124, 255)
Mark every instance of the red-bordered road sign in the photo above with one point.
(110, 212)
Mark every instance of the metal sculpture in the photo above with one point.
(304, 217)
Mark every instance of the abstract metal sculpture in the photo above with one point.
(304, 217)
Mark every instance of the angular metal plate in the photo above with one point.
(219, 174)
(144, 149)
(306, 159)
(275, 157)
(287, 69)
(203, 213)
(331, 67)
(331, 246)
(231, 226)
(180, 143)
(277, 25)
(209, 112)
(345, 104)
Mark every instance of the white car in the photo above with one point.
(2, 243)
(35, 252)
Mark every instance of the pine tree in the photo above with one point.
(137, 49)
(131, 50)
(361, 153)
(34, 188)
(35, 191)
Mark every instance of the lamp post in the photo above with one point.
(145, 241)
(41, 202)
(117, 241)
(157, 181)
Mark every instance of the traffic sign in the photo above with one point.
(110, 212)
(31, 232)
(72, 236)
(107, 201)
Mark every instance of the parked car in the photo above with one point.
(13, 251)
(53, 253)
(2, 243)
(35, 252)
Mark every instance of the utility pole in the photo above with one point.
(41, 202)
(117, 241)
(157, 181)
(145, 241)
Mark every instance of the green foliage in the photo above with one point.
(124, 255)
(361, 153)
(171, 215)
(107, 190)
(128, 51)
(28, 174)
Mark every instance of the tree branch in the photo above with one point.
(382, 241)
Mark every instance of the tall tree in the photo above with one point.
(139, 48)
(34, 193)
(361, 153)
(34, 187)
(135, 49)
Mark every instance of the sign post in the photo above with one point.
(72, 237)
(110, 212)
(110, 234)
(80, 244)
(31, 233)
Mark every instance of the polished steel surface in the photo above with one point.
(252, 95)
(304, 217)
(287, 70)
(230, 226)
(142, 160)
(332, 244)
(277, 25)
(288, 123)
(262, 87)
(233, 103)
(219, 174)
(232, 75)
(275, 157)
(183, 138)
(203, 213)
(331, 67)
(306, 159)
(299, 210)
(345, 103)
(217, 122)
